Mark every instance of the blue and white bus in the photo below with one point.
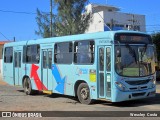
(113, 66)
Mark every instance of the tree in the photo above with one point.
(71, 18)
(43, 23)
(156, 41)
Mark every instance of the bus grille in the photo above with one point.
(138, 94)
(139, 82)
(138, 88)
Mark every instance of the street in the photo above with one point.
(12, 98)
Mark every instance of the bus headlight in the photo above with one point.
(153, 83)
(120, 86)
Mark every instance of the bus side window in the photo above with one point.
(50, 59)
(44, 59)
(63, 53)
(55, 53)
(31, 54)
(24, 54)
(8, 55)
(92, 51)
(35, 53)
(75, 51)
(28, 57)
(84, 52)
(108, 59)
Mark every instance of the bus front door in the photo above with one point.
(17, 67)
(47, 69)
(104, 72)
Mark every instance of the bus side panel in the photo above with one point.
(65, 77)
(32, 73)
(8, 73)
(23, 70)
(87, 73)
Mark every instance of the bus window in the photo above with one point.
(63, 53)
(8, 55)
(35, 53)
(17, 59)
(31, 54)
(108, 59)
(84, 52)
(101, 54)
(92, 51)
(50, 59)
(44, 59)
(24, 54)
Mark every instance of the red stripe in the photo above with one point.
(34, 75)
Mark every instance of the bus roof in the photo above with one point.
(97, 35)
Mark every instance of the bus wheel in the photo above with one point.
(27, 86)
(84, 94)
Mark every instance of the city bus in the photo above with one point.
(111, 66)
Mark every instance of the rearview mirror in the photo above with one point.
(118, 52)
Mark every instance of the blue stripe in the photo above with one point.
(59, 80)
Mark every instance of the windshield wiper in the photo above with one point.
(132, 52)
(145, 48)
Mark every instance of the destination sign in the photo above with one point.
(133, 38)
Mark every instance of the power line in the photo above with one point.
(7, 11)
(4, 36)
(20, 12)
(32, 13)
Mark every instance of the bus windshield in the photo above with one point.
(134, 60)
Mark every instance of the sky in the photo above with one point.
(22, 26)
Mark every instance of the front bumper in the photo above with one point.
(132, 95)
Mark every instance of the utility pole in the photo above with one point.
(112, 24)
(14, 39)
(51, 18)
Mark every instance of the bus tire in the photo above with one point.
(27, 86)
(83, 93)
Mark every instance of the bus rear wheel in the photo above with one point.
(27, 86)
(83, 93)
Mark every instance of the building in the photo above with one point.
(106, 17)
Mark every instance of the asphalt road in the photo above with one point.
(12, 98)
